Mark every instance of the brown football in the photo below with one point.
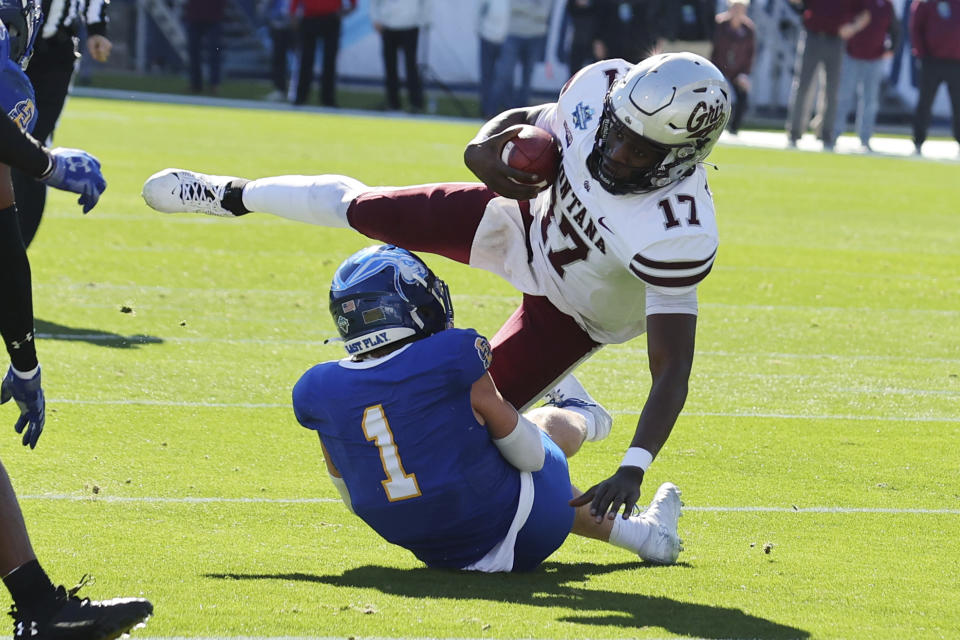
(534, 150)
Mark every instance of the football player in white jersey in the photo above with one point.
(615, 248)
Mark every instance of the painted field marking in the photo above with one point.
(69, 497)
(691, 414)
(149, 339)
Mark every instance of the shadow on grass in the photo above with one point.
(547, 587)
(52, 331)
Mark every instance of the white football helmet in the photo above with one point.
(678, 102)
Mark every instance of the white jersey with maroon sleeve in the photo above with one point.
(606, 260)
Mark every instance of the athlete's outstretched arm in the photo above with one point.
(482, 154)
(72, 170)
(22, 381)
(670, 346)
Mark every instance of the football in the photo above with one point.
(534, 150)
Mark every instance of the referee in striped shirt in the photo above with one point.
(55, 56)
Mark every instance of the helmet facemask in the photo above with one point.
(639, 180)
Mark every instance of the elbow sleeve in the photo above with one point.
(523, 447)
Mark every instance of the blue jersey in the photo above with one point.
(421, 471)
(16, 92)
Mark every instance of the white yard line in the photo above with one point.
(175, 403)
(222, 500)
(141, 637)
(462, 298)
(693, 414)
(148, 339)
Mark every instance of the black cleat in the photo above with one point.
(73, 618)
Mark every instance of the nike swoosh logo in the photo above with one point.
(600, 222)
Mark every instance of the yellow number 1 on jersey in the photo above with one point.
(398, 485)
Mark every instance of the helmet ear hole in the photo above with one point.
(429, 315)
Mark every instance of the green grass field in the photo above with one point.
(823, 420)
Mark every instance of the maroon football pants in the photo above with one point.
(538, 343)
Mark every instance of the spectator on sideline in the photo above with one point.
(935, 40)
(583, 16)
(204, 20)
(281, 40)
(51, 69)
(734, 45)
(39, 609)
(319, 19)
(827, 24)
(863, 66)
(689, 26)
(493, 18)
(525, 44)
(630, 29)
(421, 445)
(399, 22)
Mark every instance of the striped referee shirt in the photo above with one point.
(67, 15)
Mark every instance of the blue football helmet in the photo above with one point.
(384, 294)
(22, 19)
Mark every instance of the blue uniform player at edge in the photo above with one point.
(40, 610)
(424, 449)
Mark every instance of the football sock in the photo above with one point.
(630, 534)
(29, 586)
(233, 197)
(321, 200)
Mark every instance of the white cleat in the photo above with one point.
(663, 545)
(570, 394)
(182, 191)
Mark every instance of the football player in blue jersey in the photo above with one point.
(40, 610)
(422, 446)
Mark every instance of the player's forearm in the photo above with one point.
(492, 127)
(663, 406)
(16, 311)
(20, 150)
(505, 120)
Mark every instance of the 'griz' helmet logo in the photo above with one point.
(704, 119)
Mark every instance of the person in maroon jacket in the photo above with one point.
(734, 44)
(319, 19)
(863, 66)
(827, 24)
(935, 40)
(204, 20)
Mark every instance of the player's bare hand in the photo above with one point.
(619, 491)
(484, 159)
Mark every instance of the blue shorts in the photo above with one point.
(551, 517)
